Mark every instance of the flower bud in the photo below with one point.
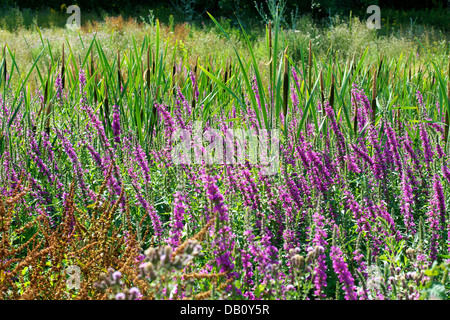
(290, 287)
(116, 275)
(411, 289)
(291, 252)
(167, 250)
(403, 281)
(152, 255)
(148, 269)
(110, 271)
(115, 278)
(120, 296)
(134, 293)
(103, 276)
(309, 257)
(152, 275)
(411, 253)
(316, 253)
(142, 267)
(298, 261)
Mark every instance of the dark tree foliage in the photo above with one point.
(413, 4)
(108, 5)
(228, 7)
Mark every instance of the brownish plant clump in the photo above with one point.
(87, 238)
(91, 240)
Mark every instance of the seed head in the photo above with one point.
(298, 261)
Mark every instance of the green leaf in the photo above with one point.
(260, 288)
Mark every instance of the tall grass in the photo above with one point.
(363, 179)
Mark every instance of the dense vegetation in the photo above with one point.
(357, 207)
(51, 13)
